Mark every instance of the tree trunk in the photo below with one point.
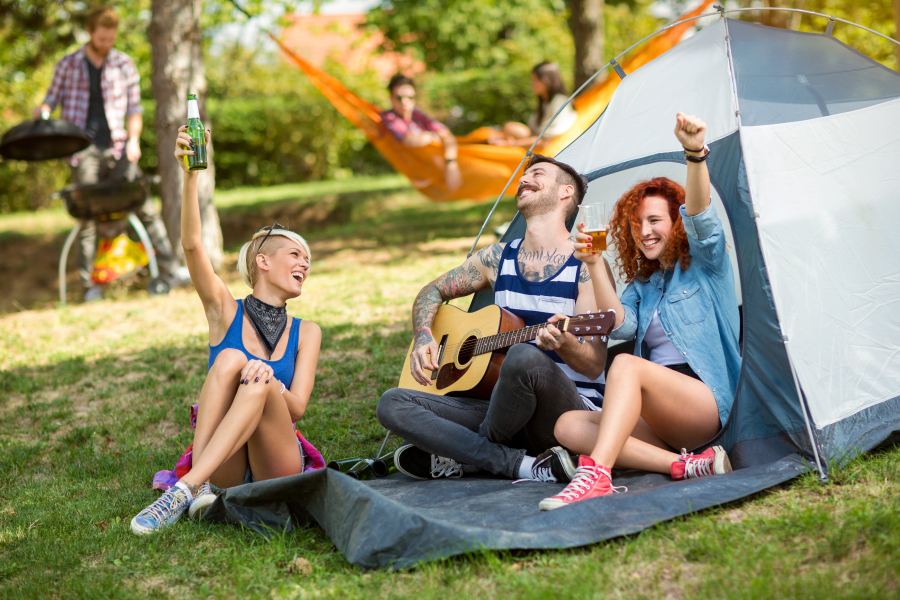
(178, 69)
(777, 18)
(586, 23)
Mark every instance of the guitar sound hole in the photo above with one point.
(466, 350)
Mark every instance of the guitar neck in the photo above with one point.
(500, 341)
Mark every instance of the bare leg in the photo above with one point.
(515, 131)
(679, 410)
(259, 419)
(216, 398)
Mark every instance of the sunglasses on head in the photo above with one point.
(405, 96)
(268, 233)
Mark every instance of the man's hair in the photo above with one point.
(102, 16)
(398, 80)
(566, 176)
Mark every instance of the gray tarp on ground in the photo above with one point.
(398, 522)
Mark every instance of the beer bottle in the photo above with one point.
(195, 129)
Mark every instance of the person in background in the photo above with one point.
(680, 307)
(99, 90)
(548, 86)
(415, 129)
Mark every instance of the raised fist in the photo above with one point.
(690, 131)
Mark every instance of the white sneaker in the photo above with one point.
(202, 500)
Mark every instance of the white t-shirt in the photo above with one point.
(662, 350)
(563, 122)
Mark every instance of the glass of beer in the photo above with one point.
(594, 218)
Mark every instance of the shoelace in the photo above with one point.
(161, 509)
(543, 473)
(444, 467)
(582, 482)
(696, 467)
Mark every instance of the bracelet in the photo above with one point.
(281, 391)
(449, 160)
(696, 159)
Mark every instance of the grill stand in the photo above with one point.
(142, 233)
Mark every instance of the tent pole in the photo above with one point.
(823, 474)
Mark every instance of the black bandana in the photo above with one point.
(268, 321)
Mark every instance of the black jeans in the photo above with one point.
(96, 165)
(494, 435)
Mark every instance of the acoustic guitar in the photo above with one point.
(472, 346)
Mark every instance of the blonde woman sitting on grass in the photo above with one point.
(262, 365)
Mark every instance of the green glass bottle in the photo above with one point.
(195, 129)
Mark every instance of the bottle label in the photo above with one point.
(193, 110)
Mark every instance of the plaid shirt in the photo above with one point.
(419, 122)
(119, 82)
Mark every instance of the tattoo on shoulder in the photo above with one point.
(584, 275)
(490, 257)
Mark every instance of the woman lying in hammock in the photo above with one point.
(548, 87)
(680, 302)
(248, 404)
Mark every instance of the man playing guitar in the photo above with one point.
(538, 279)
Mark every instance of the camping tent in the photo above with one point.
(805, 146)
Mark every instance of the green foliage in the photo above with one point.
(874, 14)
(451, 35)
(465, 100)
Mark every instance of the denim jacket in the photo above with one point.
(697, 308)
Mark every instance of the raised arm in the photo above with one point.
(691, 132)
(478, 272)
(212, 290)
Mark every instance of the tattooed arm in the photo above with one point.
(476, 273)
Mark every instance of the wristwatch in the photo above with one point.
(693, 157)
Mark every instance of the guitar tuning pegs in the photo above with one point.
(578, 329)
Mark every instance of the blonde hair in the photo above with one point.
(102, 16)
(249, 251)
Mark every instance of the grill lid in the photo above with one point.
(43, 139)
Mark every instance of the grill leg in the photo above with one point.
(64, 257)
(148, 245)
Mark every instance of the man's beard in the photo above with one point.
(541, 202)
(97, 50)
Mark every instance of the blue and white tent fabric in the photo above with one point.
(805, 166)
(804, 135)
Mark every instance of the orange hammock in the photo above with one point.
(485, 169)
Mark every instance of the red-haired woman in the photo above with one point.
(681, 310)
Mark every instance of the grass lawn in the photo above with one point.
(94, 399)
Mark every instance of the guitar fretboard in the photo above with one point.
(509, 338)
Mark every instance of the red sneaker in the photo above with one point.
(712, 462)
(590, 481)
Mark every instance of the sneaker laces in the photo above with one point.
(543, 473)
(165, 505)
(584, 479)
(696, 467)
(445, 467)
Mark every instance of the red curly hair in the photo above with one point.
(625, 229)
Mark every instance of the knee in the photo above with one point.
(254, 393)
(228, 363)
(386, 411)
(521, 358)
(624, 365)
(564, 426)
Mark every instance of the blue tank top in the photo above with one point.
(283, 368)
(537, 301)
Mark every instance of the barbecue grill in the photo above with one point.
(43, 139)
(106, 202)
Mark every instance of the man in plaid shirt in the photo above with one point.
(99, 90)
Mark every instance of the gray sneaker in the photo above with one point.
(162, 513)
(93, 294)
(202, 500)
(419, 464)
(553, 466)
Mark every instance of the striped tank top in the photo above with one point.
(536, 301)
